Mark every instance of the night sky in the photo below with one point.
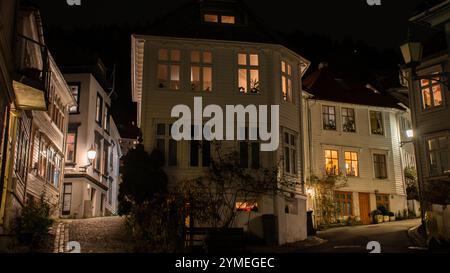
(382, 28)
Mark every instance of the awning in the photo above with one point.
(29, 98)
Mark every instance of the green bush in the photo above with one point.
(384, 211)
(34, 222)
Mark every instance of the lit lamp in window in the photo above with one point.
(91, 155)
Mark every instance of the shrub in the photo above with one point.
(384, 211)
(34, 222)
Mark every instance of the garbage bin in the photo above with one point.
(309, 223)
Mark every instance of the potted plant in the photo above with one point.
(377, 216)
(391, 216)
(384, 213)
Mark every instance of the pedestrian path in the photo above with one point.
(61, 237)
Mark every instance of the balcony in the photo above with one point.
(32, 77)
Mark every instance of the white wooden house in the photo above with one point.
(217, 50)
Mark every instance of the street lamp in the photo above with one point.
(412, 55)
(91, 155)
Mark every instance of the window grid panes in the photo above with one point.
(168, 75)
(248, 73)
(351, 163)
(376, 123)
(329, 117)
(286, 81)
(331, 162)
(348, 120)
(201, 71)
(438, 155)
(431, 90)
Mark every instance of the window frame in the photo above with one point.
(327, 114)
(167, 138)
(290, 146)
(286, 78)
(345, 200)
(337, 172)
(437, 151)
(169, 63)
(99, 110)
(374, 164)
(107, 118)
(78, 84)
(351, 162)
(64, 194)
(380, 202)
(201, 66)
(75, 132)
(344, 117)
(429, 87)
(248, 68)
(382, 123)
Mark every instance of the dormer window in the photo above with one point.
(219, 19)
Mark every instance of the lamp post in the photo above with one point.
(91, 155)
(412, 55)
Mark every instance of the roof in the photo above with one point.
(324, 85)
(186, 21)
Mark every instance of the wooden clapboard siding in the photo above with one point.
(362, 142)
(156, 104)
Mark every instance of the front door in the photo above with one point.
(364, 208)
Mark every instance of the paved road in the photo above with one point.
(99, 235)
(392, 236)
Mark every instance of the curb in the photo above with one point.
(417, 239)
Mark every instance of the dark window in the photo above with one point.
(243, 148)
(255, 155)
(206, 153)
(382, 200)
(99, 110)
(107, 117)
(75, 90)
(343, 201)
(438, 155)
(376, 123)
(67, 196)
(195, 147)
(329, 117)
(348, 120)
(379, 162)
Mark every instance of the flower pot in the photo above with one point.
(386, 218)
(379, 219)
(392, 218)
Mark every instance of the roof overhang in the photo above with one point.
(137, 67)
(29, 98)
(434, 16)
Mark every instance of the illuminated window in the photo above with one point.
(201, 71)
(71, 147)
(343, 202)
(169, 68)
(211, 18)
(290, 153)
(438, 155)
(226, 19)
(431, 93)
(286, 81)
(248, 73)
(351, 163)
(376, 123)
(379, 165)
(331, 162)
(247, 206)
(329, 117)
(348, 120)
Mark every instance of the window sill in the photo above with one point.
(432, 109)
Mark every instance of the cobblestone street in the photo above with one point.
(99, 235)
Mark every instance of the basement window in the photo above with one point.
(219, 19)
